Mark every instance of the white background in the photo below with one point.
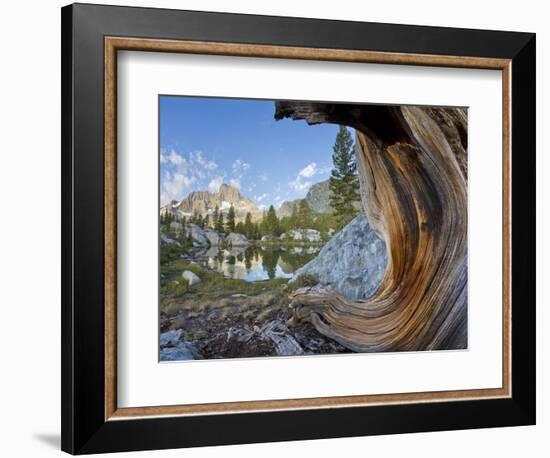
(142, 76)
(30, 233)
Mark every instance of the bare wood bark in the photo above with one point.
(413, 176)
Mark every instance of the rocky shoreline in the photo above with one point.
(230, 333)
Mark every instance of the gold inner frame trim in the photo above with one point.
(114, 44)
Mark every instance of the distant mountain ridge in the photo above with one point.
(318, 199)
(204, 203)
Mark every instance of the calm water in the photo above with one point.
(256, 264)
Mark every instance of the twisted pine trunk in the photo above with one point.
(413, 177)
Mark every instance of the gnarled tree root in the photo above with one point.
(413, 177)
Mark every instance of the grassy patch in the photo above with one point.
(304, 280)
(171, 252)
(215, 291)
(179, 266)
(174, 288)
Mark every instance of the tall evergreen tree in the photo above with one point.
(248, 227)
(304, 216)
(218, 223)
(271, 221)
(215, 217)
(230, 222)
(195, 218)
(257, 233)
(344, 183)
(200, 221)
(206, 221)
(239, 228)
(294, 217)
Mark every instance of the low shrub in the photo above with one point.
(304, 280)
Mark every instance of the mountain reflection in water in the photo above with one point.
(257, 263)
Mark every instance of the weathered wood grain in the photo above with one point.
(412, 163)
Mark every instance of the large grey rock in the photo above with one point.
(175, 226)
(352, 262)
(236, 239)
(214, 238)
(312, 235)
(171, 337)
(167, 240)
(174, 349)
(302, 235)
(294, 234)
(192, 279)
(197, 235)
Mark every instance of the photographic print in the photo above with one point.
(290, 228)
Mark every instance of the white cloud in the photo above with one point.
(198, 158)
(298, 184)
(262, 197)
(309, 170)
(172, 157)
(264, 177)
(240, 167)
(176, 178)
(278, 202)
(215, 184)
(262, 207)
(235, 182)
(174, 186)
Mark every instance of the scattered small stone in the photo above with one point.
(192, 279)
(239, 334)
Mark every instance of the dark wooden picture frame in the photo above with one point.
(91, 37)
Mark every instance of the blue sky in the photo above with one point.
(207, 141)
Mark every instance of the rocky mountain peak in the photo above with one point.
(205, 202)
(317, 198)
(230, 193)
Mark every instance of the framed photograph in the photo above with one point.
(281, 228)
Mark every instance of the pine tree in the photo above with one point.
(263, 230)
(294, 217)
(219, 222)
(215, 217)
(195, 218)
(248, 228)
(230, 222)
(271, 221)
(344, 183)
(257, 234)
(206, 221)
(304, 217)
(239, 228)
